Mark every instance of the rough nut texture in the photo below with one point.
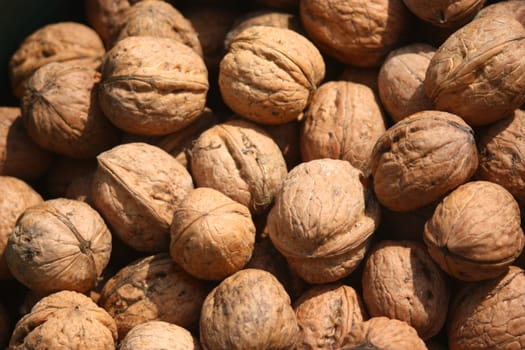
(67, 42)
(65, 320)
(478, 73)
(152, 288)
(158, 335)
(515, 8)
(248, 310)
(137, 187)
(144, 77)
(344, 121)
(401, 81)
(322, 220)
(240, 160)
(401, 281)
(325, 315)
(61, 113)
(355, 32)
(269, 74)
(489, 315)
(421, 158)
(445, 13)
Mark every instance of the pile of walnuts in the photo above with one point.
(286, 174)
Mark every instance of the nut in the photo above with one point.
(157, 335)
(447, 13)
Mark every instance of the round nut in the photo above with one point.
(448, 13)
(158, 335)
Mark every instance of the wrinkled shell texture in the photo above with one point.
(269, 74)
(478, 73)
(249, 310)
(475, 232)
(322, 220)
(212, 236)
(158, 335)
(241, 160)
(61, 113)
(344, 121)
(105, 16)
(67, 42)
(143, 78)
(137, 187)
(421, 158)
(401, 81)
(515, 8)
(65, 320)
(489, 315)
(152, 288)
(325, 315)
(445, 13)
(355, 32)
(401, 281)
(19, 155)
(59, 244)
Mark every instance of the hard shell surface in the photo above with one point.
(445, 13)
(158, 335)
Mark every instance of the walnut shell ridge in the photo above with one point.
(158, 335)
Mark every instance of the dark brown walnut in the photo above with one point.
(356, 32)
(445, 13)
(287, 137)
(360, 75)
(269, 74)
(421, 158)
(475, 232)
(144, 77)
(325, 315)
(16, 197)
(62, 172)
(344, 121)
(248, 310)
(323, 219)
(58, 244)
(137, 187)
(61, 113)
(66, 42)
(284, 4)
(152, 288)
(478, 73)
(241, 160)
(515, 8)
(212, 236)
(490, 314)
(401, 80)
(401, 281)
(383, 333)
(158, 335)
(65, 320)
(19, 155)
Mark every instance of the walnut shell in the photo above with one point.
(322, 220)
(152, 288)
(137, 187)
(344, 121)
(58, 244)
(515, 8)
(475, 232)
(67, 42)
(158, 335)
(445, 13)
(248, 310)
(421, 158)
(477, 73)
(269, 74)
(144, 77)
(65, 320)
(490, 314)
(240, 160)
(401, 281)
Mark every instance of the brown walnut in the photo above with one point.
(158, 335)
(445, 13)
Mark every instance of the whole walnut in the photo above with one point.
(490, 314)
(248, 310)
(323, 219)
(475, 232)
(477, 72)
(344, 121)
(143, 77)
(58, 244)
(269, 74)
(66, 42)
(325, 314)
(445, 13)
(65, 320)
(158, 335)
(401, 281)
(421, 158)
(137, 187)
(241, 160)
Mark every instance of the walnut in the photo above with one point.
(445, 13)
(421, 158)
(514, 8)
(158, 335)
